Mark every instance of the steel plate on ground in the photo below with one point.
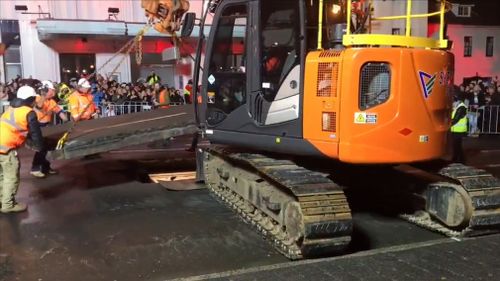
(106, 134)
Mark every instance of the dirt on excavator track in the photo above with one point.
(301, 212)
(466, 204)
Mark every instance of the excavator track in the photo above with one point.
(466, 205)
(301, 212)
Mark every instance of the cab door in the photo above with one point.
(225, 75)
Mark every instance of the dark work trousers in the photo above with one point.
(40, 162)
(194, 142)
(458, 152)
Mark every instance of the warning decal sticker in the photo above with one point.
(365, 118)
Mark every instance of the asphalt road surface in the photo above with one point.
(98, 220)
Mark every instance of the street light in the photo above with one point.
(21, 8)
(24, 10)
(336, 8)
(112, 12)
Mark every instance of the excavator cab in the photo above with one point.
(301, 79)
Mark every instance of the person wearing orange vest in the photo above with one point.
(81, 104)
(164, 98)
(17, 123)
(45, 108)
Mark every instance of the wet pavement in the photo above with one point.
(94, 221)
(443, 259)
(97, 220)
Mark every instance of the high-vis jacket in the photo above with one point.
(48, 109)
(81, 106)
(188, 90)
(164, 98)
(461, 125)
(153, 79)
(13, 128)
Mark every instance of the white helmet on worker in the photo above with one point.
(26, 92)
(84, 83)
(48, 85)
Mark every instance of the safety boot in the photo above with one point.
(16, 208)
(51, 171)
(37, 174)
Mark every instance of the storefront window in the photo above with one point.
(9, 32)
(12, 60)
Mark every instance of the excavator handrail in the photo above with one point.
(398, 40)
(411, 16)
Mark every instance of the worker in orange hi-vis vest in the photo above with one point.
(81, 104)
(45, 108)
(17, 123)
(164, 98)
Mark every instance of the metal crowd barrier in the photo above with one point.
(484, 120)
(105, 109)
(3, 106)
(111, 109)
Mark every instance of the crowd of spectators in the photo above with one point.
(105, 91)
(482, 98)
(109, 91)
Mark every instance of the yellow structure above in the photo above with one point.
(406, 40)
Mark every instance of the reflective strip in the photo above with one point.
(12, 121)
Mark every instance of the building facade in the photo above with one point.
(58, 40)
(474, 29)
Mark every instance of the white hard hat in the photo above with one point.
(26, 92)
(84, 83)
(47, 84)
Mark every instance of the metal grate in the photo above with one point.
(375, 84)
(328, 73)
(330, 54)
(256, 108)
(329, 121)
(335, 78)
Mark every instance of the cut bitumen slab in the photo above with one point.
(106, 134)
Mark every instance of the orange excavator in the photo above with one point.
(290, 90)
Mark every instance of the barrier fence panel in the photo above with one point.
(3, 106)
(487, 120)
(111, 109)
